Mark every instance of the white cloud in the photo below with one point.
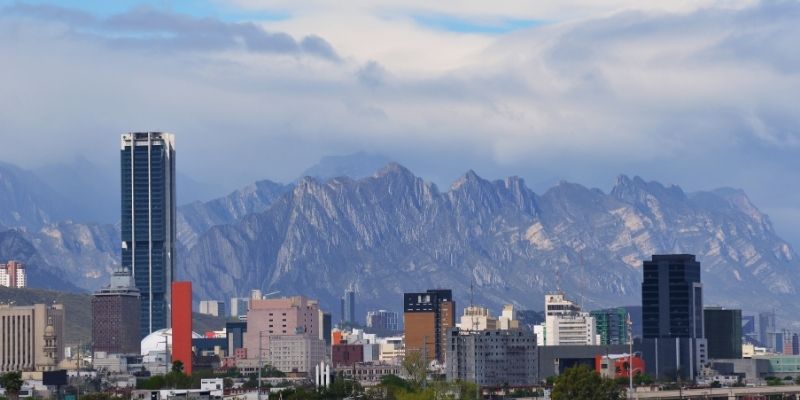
(679, 94)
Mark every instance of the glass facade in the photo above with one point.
(611, 325)
(147, 163)
(724, 332)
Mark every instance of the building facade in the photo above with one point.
(477, 318)
(767, 330)
(427, 317)
(345, 354)
(674, 343)
(723, 328)
(349, 307)
(239, 306)
(115, 316)
(383, 320)
(492, 357)
(612, 327)
(211, 307)
(565, 324)
(295, 323)
(12, 274)
(295, 353)
(32, 337)
(148, 222)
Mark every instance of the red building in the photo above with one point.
(347, 354)
(182, 324)
(616, 365)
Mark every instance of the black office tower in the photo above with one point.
(723, 332)
(674, 342)
(148, 221)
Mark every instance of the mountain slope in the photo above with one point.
(393, 232)
(25, 201)
(196, 218)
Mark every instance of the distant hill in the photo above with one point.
(78, 308)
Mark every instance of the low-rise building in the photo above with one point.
(295, 353)
(492, 357)
(346, 354)
(369, 373)
(619, 365)
(32, 337)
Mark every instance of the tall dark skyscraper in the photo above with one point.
(672, 316)
(148, 221)
(723, 332)
(350, 306)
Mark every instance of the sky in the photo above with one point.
(702, 94)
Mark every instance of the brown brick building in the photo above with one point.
(347, 354)
(426, 319)
(115, 316)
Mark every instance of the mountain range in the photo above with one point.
(494, 241)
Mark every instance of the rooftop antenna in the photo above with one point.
(558, 279)
(472, 303)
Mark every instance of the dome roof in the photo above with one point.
(154, 342)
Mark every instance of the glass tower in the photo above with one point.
(148, 221)
(672, 316)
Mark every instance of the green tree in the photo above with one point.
(12, 382)
(416, 368)
(177, 366)
(579, 382)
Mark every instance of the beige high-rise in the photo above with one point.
(31, 337)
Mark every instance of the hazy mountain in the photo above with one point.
(356, 166)
(94, 190)
(26, 201)
(393, 232)
(196, 218)
(39, 273)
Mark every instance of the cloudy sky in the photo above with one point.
(697, 93)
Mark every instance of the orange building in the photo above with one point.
(426, 320)
(617, 365)
(182, 324)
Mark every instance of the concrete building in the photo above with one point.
(392, 350)
(477, 318)
(723, 328)
(148, 224)
(565, 324)
(369, 374)
(12, 274)
(554, 360)
(427, 317)
(492, 357)
(383, 320)
(239, 306)
(674, 344)
(32, 337)
(508, 318)
(279, 326)
(295, 353)
(211, 307)
(115, 316)
(619, 365)
(346, 354)
(611, 325)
